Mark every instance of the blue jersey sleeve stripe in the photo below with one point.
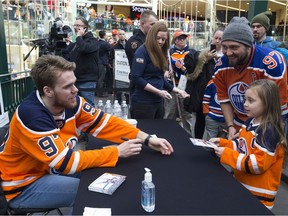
(247, 165)
(96, 122)
(65, 161)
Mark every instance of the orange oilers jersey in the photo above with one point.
(37, 145)
(257, 164)
(231, 83)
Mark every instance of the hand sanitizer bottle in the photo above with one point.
(148, 192)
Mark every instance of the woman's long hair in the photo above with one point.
(159, 56)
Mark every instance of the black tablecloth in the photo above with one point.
(191, 181)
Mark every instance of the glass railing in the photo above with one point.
(15, 87)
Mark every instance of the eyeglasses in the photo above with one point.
(77, 25)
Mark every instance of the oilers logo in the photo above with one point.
(242, 147)
(236, 94)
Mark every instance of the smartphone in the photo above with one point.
(212, 47)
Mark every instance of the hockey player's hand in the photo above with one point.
(129, 148)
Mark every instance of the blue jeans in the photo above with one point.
(50, 191)
(88, 95)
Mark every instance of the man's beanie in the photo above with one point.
(238, 30)
(263, 19)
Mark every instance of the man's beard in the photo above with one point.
(64, 104)
(240, 60)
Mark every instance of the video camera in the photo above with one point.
(56, 36)
(54, 44)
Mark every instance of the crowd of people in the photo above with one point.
(235, 89)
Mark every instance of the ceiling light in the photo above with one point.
(277, 2)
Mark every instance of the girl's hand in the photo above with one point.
(216, 141)
(219, 151)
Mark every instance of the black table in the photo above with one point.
(191, 181)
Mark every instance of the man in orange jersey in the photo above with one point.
(242, 64)
(38, 164)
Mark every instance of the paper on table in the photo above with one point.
(89, 211)
(204, 143)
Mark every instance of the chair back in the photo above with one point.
(3, 201)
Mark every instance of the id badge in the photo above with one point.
(182, 82)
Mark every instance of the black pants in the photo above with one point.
(147, 111)
(199, 124)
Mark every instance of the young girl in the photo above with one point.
(257, 155)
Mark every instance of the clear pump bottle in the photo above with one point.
(148, 192)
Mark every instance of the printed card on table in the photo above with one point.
(203, 143)
(107, 183)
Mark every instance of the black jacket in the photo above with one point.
(104, 51)
(134, 42)
(85, 53)
(199, 72)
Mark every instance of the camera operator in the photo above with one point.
(84, 52)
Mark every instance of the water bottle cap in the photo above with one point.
(148, 175)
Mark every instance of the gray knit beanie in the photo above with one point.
(263, 19)
(238, 30)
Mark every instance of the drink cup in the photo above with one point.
(132, 122)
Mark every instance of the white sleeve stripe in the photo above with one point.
(75, 162)
(234, 145)
(260, 190)
(102, 125)
(239, 160)
(18, 182)
(254, 163)
(59, 157)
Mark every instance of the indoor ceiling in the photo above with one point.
(198, 6)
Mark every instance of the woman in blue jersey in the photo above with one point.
(149, 65)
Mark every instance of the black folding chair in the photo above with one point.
(4, 206)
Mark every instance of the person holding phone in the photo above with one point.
(200, 66)
(85, 53)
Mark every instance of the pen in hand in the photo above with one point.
(124, 139)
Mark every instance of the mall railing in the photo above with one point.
(15, 87)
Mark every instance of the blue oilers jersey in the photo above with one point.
(231, 83)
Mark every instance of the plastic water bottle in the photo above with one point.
(148, 192)
(108, 107)
(100, 105)
(117, 109)
(125, 110)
